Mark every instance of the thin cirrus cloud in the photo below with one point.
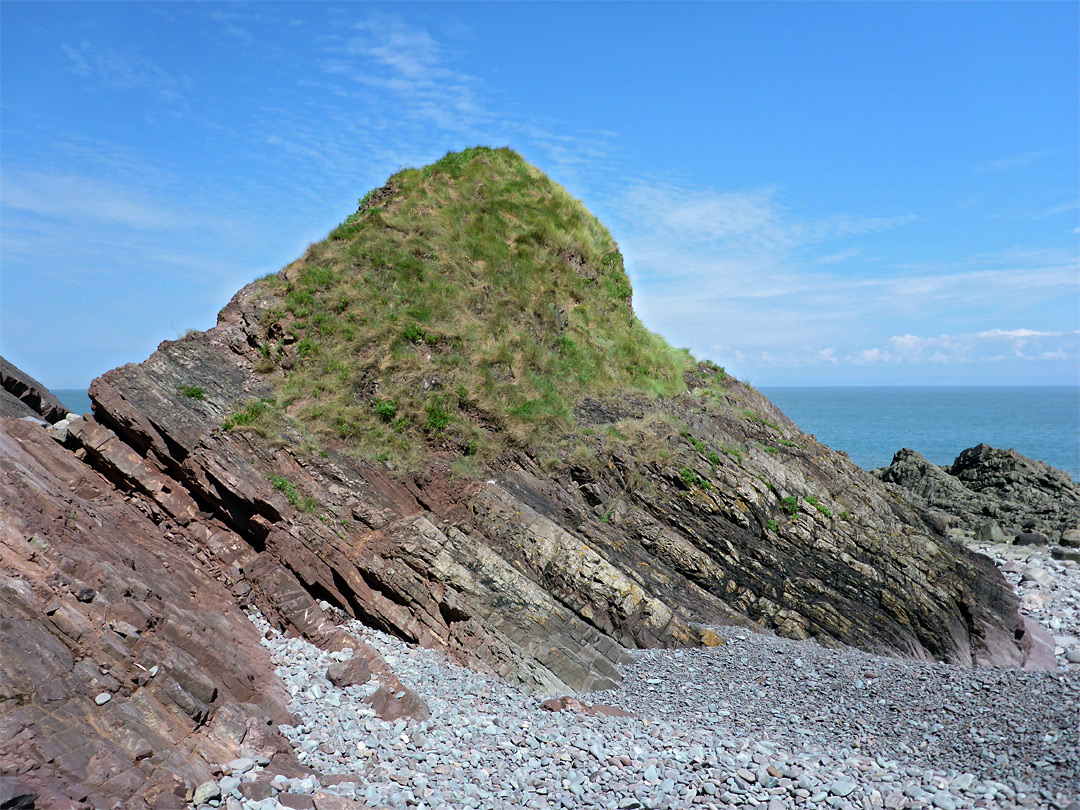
(1020, 161)
(749, 222)
(407, 62)
(73, 197)
(124, 71)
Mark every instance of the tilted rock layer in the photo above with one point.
(604, 507)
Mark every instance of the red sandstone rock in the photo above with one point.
(572, 704)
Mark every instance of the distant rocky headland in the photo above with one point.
(994, 495)
(445, 423)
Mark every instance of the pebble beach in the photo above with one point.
(761, 722)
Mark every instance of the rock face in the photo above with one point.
(132, 539)
(544, 578)
(992, 491)
(127, 665)
(21, 396)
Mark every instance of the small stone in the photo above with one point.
(1040, 576)
(205, 792)
(841, 788)
(103, 698)
(1072, 655)
(242, 765)
(710, 638)
(943, 801)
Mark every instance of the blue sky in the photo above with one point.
(836, 193)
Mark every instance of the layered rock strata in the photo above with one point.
(546, 577)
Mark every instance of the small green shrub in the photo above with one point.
(385, 409)
(787, 443)
(845, 515)
(814, 502)
(734, 452)
(772, 526)
(414, 334)
(790, 505)
(302, 502)
(192, 392)
(437, 415)
(247, 415)
(714, 458)
(689, 477)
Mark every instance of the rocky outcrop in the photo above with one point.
(545, 577)
(125, 669)
(21, 396)
(128, 667)
(1001, 490)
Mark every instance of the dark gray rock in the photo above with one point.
(20, 389)
(986, 485)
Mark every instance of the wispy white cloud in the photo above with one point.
(989, 346)
(125, 71)
(386, 54)
(75, 197)
(1020, 161)
(735, 274)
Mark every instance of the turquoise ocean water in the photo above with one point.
(871, 424)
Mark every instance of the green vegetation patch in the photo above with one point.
(790, 504)
(305, 503)
(814, 502)
(476, 275)
(248, 415)
(192, 392)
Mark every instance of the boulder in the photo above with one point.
(990, 532)
(1031, 539)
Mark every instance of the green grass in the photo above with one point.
(790, 505)
(192, 392)
(304, 503)
(476, 275)
(248, 415)
(814, 502)
(772, 526)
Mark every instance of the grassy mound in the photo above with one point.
(468, 305)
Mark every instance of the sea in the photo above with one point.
(871, 424)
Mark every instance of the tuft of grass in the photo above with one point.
(304, 503)
(772, 526)
(248, 415)
(192, 392)
(814, 502)
(790, 505)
